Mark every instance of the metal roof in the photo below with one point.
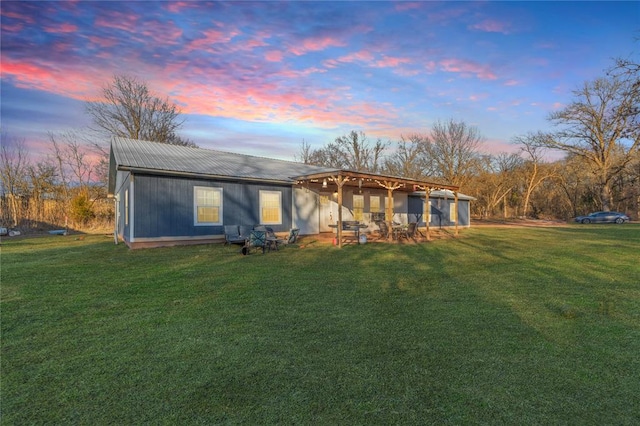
(138, 155)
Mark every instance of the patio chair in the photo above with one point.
(257, 239)
(272, 239)
(245, 230)
(232, 235)
(383, 230)
(293, 236)
(410, 231)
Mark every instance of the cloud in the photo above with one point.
(492, 26)
(210, 38)
(408, 5)
(64, 27)
(467, 68)
(116, 20)
(315, 44)
(273, 56)
(63, 79)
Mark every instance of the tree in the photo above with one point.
(452, 151)
(14, 164)
(600, 126)
(408, 160)
(77, 170)
(357, 153)
(352, 151)
(533, 170)
(495, 180)
(129, 109)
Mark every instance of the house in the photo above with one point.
(168, 194)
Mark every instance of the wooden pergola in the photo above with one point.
(363, 180)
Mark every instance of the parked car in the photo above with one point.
(603, 217)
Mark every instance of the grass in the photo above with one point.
(500, 326)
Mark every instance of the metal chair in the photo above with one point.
(257, 239)
(383, 230)
(232, 235)
(293, 236)
(410, 231)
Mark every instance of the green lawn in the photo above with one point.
(499, 326)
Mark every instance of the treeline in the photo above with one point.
(64, 189)
(598, 134)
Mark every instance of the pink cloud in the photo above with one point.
(511, 82)
(14, 15)
(211, 37)
(179, 6)
(12, 28)
(103, 42)
(63, 79)
(392, 62)
(273, 56)
(467, 68)
(315, 44)
(161, 32)
(118, 21)
(492, 26)
(62, 28)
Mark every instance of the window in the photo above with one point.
(453, 211)
(358, 207)
(270, 207)
(207, 206)
(374, 204)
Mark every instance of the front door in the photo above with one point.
(327, 215)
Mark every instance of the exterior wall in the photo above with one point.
(440, 211)
(123, 183)
(161, 209)
(306, 214)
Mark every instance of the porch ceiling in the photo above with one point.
(369, 180)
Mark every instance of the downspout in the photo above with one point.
(115, 220)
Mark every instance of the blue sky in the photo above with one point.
(261, 77)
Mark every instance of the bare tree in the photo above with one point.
(78, 171)
(408, 160)
(352, 151)
(14, 162)
(357, 153)
(494, 182)
(600, 126)
(452, 150)
(129, 109)
(533, 169)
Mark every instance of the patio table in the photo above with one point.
(353, 227)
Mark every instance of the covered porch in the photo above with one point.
(377, 187)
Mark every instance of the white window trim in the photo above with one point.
(279, 221)
(195, 206)
(453, 211)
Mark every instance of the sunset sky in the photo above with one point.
(261, 77)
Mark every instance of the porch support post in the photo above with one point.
(427, 201)
(455, 201)
(389, 213)
(390, 186)
(340, 181)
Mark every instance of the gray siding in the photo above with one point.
(164, 206)
(440, 211)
